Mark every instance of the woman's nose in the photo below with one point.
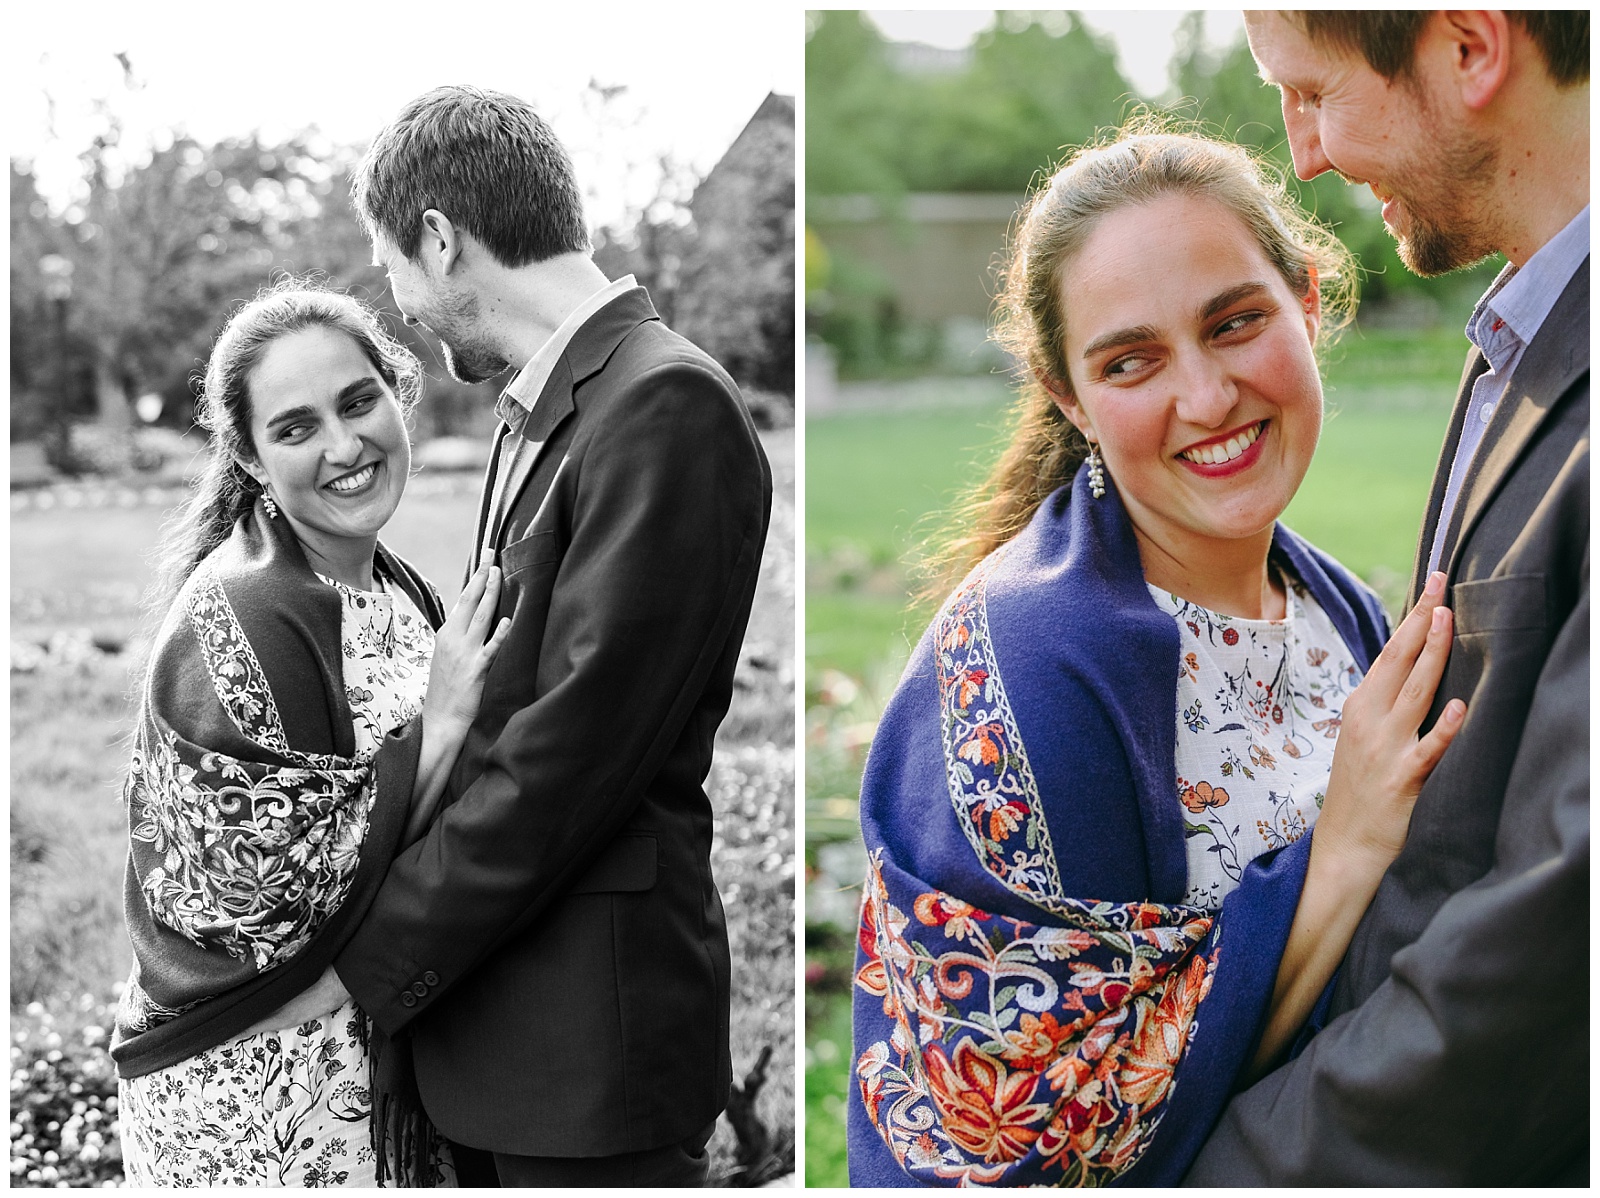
(1208, 393)
(344, 445)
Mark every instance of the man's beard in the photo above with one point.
(469, 361)
(467, 357)
(1449, 225)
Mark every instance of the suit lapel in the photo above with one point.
(553, 407)
(1476, 365)
(591, 347)
(485, 502)
(1558, 355)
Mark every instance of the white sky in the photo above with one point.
(1143, 37)
(695, 72)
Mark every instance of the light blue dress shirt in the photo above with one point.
(1502, 325)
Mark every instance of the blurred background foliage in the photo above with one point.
(117, 294)
(885, 120)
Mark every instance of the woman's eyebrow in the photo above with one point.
(301, 411)
(1130, 336)
(1229, 297)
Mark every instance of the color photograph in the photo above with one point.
(1135, 428)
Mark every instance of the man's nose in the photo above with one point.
(1305, 140)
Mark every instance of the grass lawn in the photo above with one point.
(84, 566)
(877, 483)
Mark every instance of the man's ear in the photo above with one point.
(1480, 47)
(441, 240)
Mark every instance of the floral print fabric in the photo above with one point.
(1259, 707)
(288, 1107)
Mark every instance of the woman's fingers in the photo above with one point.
(1432, 746)
(1394, 665)
(488, 600)
(1416, 696)
(471, 595)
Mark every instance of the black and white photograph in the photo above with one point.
(402, 625)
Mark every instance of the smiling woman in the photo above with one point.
(302, 706)
(332, 452)
(1108, 750)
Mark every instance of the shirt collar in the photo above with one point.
(522, 392)
(1520, 299)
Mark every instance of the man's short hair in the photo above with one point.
(1388, 40)
(484, 159)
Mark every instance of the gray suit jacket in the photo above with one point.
(1456, 1051)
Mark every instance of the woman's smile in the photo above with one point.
(355, 482)
(1228, 454)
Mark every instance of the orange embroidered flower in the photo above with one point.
(1328, 727)
(1036, 1041)
(936, 909)
(987, 1110)
(969, 685)
(1006, 819)
(980, 748)
(1202, 795)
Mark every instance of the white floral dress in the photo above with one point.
(290, 1107)
(1259, 706)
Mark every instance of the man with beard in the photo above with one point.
(1453, 1043)
(553, 952)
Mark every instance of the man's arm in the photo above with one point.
(1450, 1072)
(668, 520)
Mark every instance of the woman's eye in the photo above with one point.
(1123, 367)
(293, 432)
(1235, 324)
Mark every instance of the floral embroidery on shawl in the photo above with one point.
(1017, 1052)
(991, 784)
(1020, 1049)
(249, 856)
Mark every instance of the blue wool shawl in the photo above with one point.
(1032, 999)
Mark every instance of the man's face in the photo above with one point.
(427, 296)
(1401, 138)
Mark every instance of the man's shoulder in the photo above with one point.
(654, 346)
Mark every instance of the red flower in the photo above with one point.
(1230, 636)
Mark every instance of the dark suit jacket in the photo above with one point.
(555, 947)
(1457, 1052)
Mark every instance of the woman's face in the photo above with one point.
(1191, 365)
(330, 440)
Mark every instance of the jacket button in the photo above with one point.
(418, 989)
(408, 998)
(431, 978)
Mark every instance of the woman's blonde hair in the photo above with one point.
(1147, 159)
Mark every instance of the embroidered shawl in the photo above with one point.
(1032, 999)
(257, 837)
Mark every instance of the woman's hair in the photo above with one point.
(225, 490)
(1145, 160)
